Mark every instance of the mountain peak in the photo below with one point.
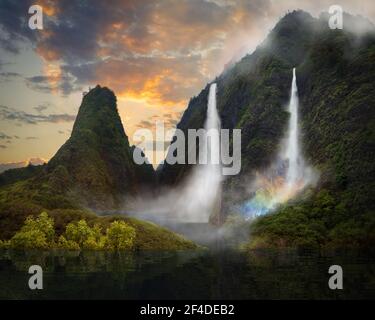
(97, 157)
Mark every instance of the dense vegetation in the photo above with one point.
(39, 233)
(93, 169)
(77, 229)
(335, 76)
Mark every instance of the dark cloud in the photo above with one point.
(61, 131)
(8, 76)
(2, 146)
(156, 50)
(32, 138)
(48, 84)
(43, 106)
(14, 28)
(4, 136)
(11, 114)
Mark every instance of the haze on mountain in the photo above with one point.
(335, 76)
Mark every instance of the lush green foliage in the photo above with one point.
(35, 233)
(94, 168)
(79, 229)
(120, 236)
(335, 77)
(82, 234)
(39, 233)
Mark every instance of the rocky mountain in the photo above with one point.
(335, 76)
(96, 161)
(94, 169)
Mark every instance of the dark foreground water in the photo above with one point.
(227, 274)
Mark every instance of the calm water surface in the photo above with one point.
(205, 274)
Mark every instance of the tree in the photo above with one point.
(83, 235)
(35, 233)
(78, 232)
(120, 236)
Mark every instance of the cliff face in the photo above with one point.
(335, 73)
(252, 94)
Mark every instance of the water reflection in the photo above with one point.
(229, 274)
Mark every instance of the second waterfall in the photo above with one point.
(289, 173)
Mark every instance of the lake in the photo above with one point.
(202, 274)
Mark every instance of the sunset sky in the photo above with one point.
(155, 55)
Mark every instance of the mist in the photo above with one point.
(199, 196)
(287, 176)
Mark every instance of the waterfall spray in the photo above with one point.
(288, 175)
(292, 147)
(200, 195)
(201, 198)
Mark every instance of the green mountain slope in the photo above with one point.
(93, 169)
(335, 76)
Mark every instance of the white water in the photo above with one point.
(292, 154)
(200, 194)
(288, 175)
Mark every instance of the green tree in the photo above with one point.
(35, 233)
(83, 235)
(67, 244)
(32, 239)
(120, 236)
(78, 232)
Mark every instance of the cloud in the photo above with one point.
(8, 76)
(32, 138)
(53, 83)
(43, 106)
(13, 25)
(7, 113)
(4, 136)
(160, 52)
(3, 146)
(21, 164)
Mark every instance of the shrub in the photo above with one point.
(85, 236)
(31, 239)
(35, 233)
(120, 236)
(67, 244)
(78, 232)
(5, 244)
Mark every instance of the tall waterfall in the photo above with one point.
(202, 195)
(288, 175)
(292, 153)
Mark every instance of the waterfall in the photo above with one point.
(292, 153)
(202, 195)
(288, 175)
(199, 197)
(211, 146)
